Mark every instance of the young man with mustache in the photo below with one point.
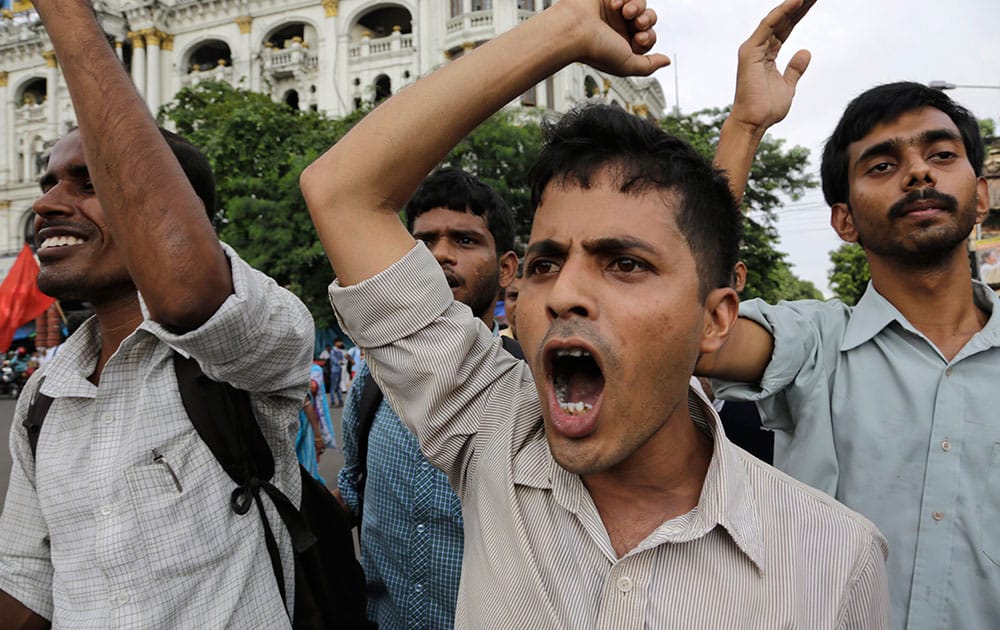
(411, 527)
(889, 405)
(598, 489)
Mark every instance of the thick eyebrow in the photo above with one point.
(473, 234)
(546, 247)
(617, 244)
(890, 147)
(77, 171)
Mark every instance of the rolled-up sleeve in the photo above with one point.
(439, 366)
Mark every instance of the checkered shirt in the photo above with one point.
(97, 533)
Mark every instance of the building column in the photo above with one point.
(152, 37)
(28, 160)
(118, 49)
(9, 116)
(138, 62)
(243, 57)
(51, 94)
(6, 130)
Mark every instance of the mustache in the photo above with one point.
(454, 280)
(947, 202)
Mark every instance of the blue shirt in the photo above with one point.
(411, 529)
(872, 413)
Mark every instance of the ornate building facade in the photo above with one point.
(327, 55)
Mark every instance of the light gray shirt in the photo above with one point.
(872, 413)
(759, 551)
(96, 533)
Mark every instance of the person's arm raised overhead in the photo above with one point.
(355, 190)
(763, 93)
(172, 253)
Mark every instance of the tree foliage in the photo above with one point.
(776, 173)
(257, 149)
(850, 274)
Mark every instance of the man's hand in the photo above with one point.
(763, 93)
(618, 45)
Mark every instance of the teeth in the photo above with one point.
(574, 352)
(575, 408)
(60, 241)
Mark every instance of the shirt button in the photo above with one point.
(947, 372)
(121, 598)
(424, 465)
(106, 510)
(421, 528)
(946, 445)
(624, 584)
(937, 516)
(107, 418)
(418, 587)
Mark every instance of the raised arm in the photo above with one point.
(158, 222)
(763, 93)
(355, 189)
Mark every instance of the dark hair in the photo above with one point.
(883, 104)
(196, 166)
(644, 158)
(454, 189)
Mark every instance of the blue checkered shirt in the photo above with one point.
(411, 530)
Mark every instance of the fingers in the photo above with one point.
(645, 65)
(780, 21)
(797, 67)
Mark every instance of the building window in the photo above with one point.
(590, 88)
(456, 8)
(526, 5)
(482, 5)
(383, 88)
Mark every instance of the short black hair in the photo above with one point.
(643, 157)
(883, 104)
(454, 189)
(195, 166)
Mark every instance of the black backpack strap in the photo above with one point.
(512, 346)
(371, 398)
(224, 419)
(38, 408)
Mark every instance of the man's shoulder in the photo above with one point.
(807, 513)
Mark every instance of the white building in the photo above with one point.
(327, 55)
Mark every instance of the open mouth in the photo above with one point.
(577, 387)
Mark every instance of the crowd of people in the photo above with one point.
(568, 471)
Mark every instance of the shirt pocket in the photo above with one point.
(181, 502)
(989, 524)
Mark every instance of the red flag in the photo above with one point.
(20, 298)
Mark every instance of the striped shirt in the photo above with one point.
(760, 550)
(98, 532)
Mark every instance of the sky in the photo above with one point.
(855, 45)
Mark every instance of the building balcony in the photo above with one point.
(27, 114)
(198, 74)
(396, 44)
(473, 26)
(292, 61)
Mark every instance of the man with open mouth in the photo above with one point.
(598, 489)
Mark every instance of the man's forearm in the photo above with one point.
(157, 219)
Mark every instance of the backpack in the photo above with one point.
(371, 398)
(329, 581)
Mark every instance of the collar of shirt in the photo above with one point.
(873, 313)
(725, 500)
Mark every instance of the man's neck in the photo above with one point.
(936, 300)
(117, 319)
(663, 479)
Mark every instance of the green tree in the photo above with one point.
(257, 149)
(500, 152)
(850, 274)
(776, 171)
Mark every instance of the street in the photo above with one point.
(330, 463)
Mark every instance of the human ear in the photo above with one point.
(508, 268)
(982, 199)
(842, 221)
(722, 307)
